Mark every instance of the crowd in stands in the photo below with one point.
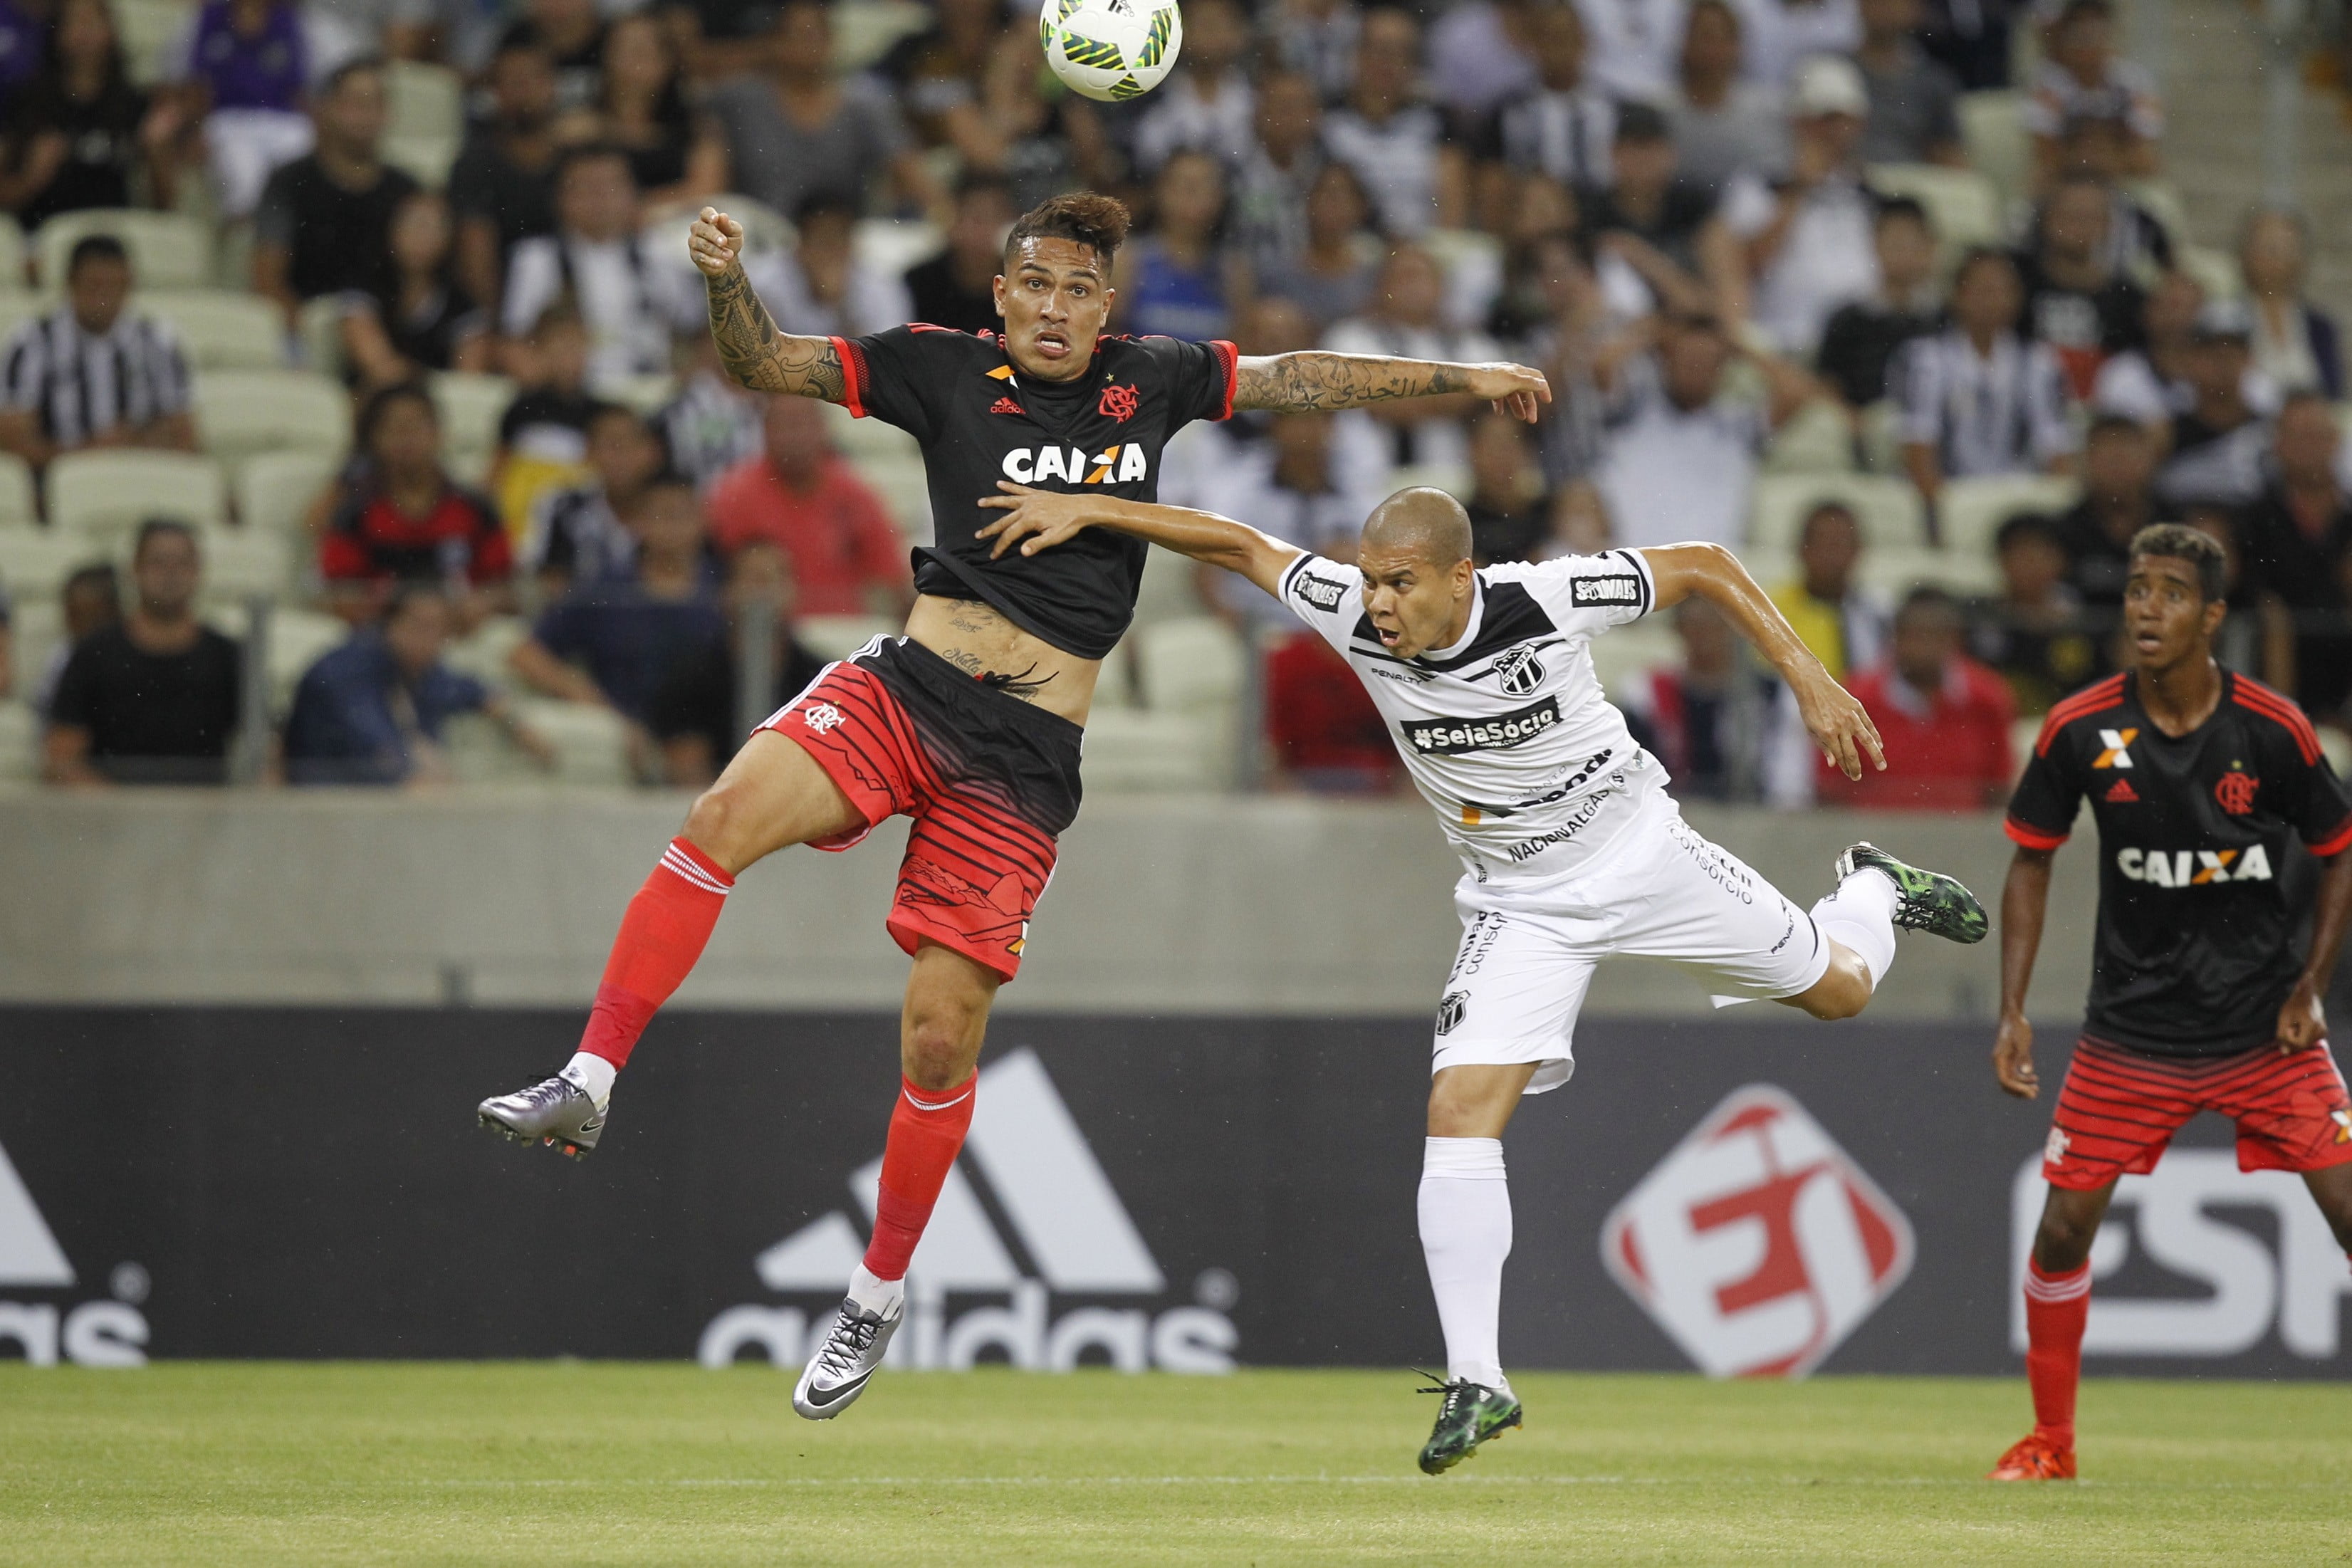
(1726, 230)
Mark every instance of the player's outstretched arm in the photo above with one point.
(1840, 725)
(2024, 902)
(749, 346)
(2303, 1021)
(1038, 519)
(1312, 381)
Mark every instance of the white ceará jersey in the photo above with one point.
(1508, 732)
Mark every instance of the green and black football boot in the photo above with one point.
(1926, 900)
(1472, 1414)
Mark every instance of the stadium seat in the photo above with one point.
(1970, 511)
(18, 306)
(483, 652)
(592, 743)
(890, 246)
(868, 439)
(275, 491)
(1621, 657)
(168, 250)
(646, 393)
(1882, 438)
(864, 30)
(36, 562)
(148, 30)
(427, 160)
(238, 564)
(1453, 478)
(1895, 573)
(2216, 271)
(1191, 664)
(20, 741)
(242, 412)
(1132, 752)
(1888, 509)
(321, 328)
(838, 636)
(12, 254)
(906, 492)
(36, 627)
(423, 101)
(471, 407)
(1167, 591)
(220, 329)
(1816, 440)
(2162, 200)
(299, 639)
(1992, 130)
(1965, 204)
(16, 508)
(764, 228)
(2023, 732)
(101, 495)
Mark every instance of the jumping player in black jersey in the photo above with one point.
(2196, 777)
(970, 722)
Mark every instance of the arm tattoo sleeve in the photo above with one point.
(1311, 381)
(759, 356)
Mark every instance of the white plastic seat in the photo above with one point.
(275, 491)
(299, 639)
(319, 326)
(838, 636)
(890, 246)
(220, 329)
(1992, 130)
(1888, 510)
(36, 562)
(1966, 205)
(592, 743)
(864, 30)
(423, 100)
(1970, 511)
(764, 228)
(18, 306)
(148, 30)
(1815, 440)
(168, 250)
(242, 412)
(483, 653)
(16, 508)
(1895, 573)
(644, 394)
(1191, 663)
(238, 563)
(1627, 652)
(1132, 752)
(11, 253)
(471, 407)
(99, 496)
(20, 743)
(427, 160)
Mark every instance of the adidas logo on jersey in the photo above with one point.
(2194, 868)
(1065, 1233)
(1004, 405)
(94, 1333)
(2122, 794)
(1120, 465)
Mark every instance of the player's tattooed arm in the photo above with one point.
(1314, 382)
(754, 352)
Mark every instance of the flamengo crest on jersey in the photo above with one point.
(1507, 734)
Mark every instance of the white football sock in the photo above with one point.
(592, 1075)
(1465, 1235)
(1860, 915)
(874, 1294)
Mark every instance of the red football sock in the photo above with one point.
(2056, 1308)
(662, 936)
(926, 1132)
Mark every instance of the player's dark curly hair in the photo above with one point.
(2178, 542)
(1101, 222)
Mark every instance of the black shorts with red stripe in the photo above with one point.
(990, 781)
(2120, 1107)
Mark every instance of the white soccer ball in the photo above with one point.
(1111, 51)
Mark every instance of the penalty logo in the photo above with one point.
(1027, 1160)
(1758, 1244)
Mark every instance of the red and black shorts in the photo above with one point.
(991, 781)
(2120, 1107)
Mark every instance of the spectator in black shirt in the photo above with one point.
(1510, 518)
(1914, 101)
(2219, 444)
(1971, 40)
(1666, 228)
(2035, 632)
(677, 156)
(572, 34)
(155, 699)
(2118, 500)
(423, 321)
(79, 129)
(2076, 299)
(543, 433)
(957, 287)
(693, 711)
(324, 226)
(2296, 545)
(1861, 338)
(502, 187)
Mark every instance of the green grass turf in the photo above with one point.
(538, 1464)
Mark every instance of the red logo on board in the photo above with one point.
(1004, 405)
(2235, 791)
(1118, 403)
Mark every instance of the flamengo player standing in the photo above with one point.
(2196, 777)
(971, 723)
(1571, 849)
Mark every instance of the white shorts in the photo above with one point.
(1528, 951)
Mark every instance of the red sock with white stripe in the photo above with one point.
(927, 1130)
(2056, 1308)
(662, 936)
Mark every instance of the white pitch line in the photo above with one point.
(1381, 1480)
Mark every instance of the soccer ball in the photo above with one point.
(1110, 50)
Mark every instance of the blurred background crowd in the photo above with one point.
(358, 423)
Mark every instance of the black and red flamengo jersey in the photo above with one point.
(980, 421)
(2195, 938)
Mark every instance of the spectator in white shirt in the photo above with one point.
(1559, 127)
(819, 287)
(1317, 38)
(626, 287)
(1292, 482)
(1395, 143)
(1809, 242)
(2295, 342)
(2152, 386)
(1206, 106)
(1404, 321)
(1479, 54)
(1977, 399)
(93, 372)
(1681, 451)
(1724, 126)
(1781, 33)
(2084, 78)
(1268, 218)
(1632, 45)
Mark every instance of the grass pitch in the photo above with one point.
(660, 1464)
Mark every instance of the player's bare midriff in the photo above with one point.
(981, 642)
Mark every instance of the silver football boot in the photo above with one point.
(837, 1373)
(553, 1110)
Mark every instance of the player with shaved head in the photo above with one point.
(1571, 850)
(970, 722)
